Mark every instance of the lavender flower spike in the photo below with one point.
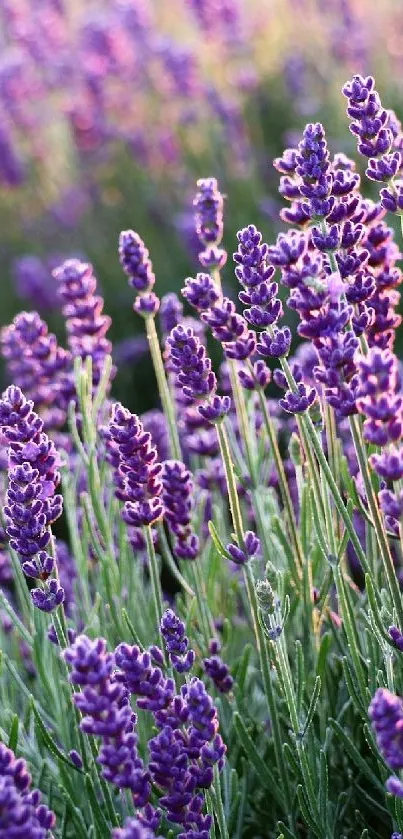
(134, 829)
(107, 714)
(86, 324)
(208, 204)
(31, 503)
(177, 644)
(188, 360)
(136, 470)
(386, 715)
(21, 812)
(177, 500)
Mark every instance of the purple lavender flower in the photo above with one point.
(313, 169)
(107, 714)
(170, 313)
(153, 691)
(22, 814)
(201, 292)
(217, 670)
(178, 502)
(193, 368)
(258, 377)
(33, 282)
(379, 397)
(154, 422)
(251, 547)
(85, 323)
(133, 829)
(369, 119)
(208, 204)
(379, 138)
(38, 365)
(182, 759)
(177, 643)
(137, 472)
(386, 715)
(31, 504)
(254, 273)
(276, 345)
(396, 636)
(297, 402)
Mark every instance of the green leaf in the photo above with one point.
(13, 737)
(217, 541)
(304, 807)
(242, 668)
(50, 743)
(312, 706)
(75, 813)
(18, 624)
(96, 810)
(300, 675)
(355, 756)
(323, 654)
(323, 785)
(256, 760)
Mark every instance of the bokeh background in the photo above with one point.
(111, 109)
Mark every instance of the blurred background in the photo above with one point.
(111, 109)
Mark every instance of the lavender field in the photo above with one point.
(201, 419)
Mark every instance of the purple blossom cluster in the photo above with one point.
(386, 715)
(209, 204)
(134, 829)
(379, 138)
(380, 401)
(187, 357)
(86, 324)
(341, 275)
(216, 668)
(38, 366)
(136, 469)
(106, 713)
(184, 752)
(177, 498)
(177, 644)
(135, 261)
(21, 812)
(31, 503)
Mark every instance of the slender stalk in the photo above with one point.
(206, 619)
(154, 577)
(163, 388)
(219, 809)
(170, 562)
(283, 483)
(310, 790)
(310, 437)
(242, 417)
(253, 605)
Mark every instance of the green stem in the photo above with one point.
(154, 577)
(170, 562)
(253, 605)
(242, 417)
(163, 388)
(206, 619)
(310, 437)
(284, 489)
(284, 667)
(218, 805)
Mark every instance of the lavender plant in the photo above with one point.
(201, 631)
